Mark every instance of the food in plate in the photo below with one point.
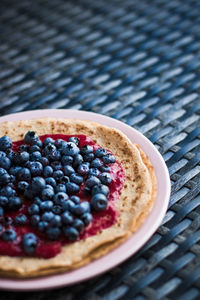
(70, 191)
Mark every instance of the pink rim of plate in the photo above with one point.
(135, 242)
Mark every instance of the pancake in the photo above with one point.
(133, 205)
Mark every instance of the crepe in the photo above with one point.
(134, 204)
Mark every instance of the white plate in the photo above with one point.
(136, 241)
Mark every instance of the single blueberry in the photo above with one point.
(5, 143)
(93, 172)
(60, 197)
(46, 205)
(91, 181)
(74, 140)
(75, 199)
(3, 201)
(48, 186)
(34, 148)
(96, 163)
(78, 159)
(108, 159)
(99, 202)
(23, 148)
(33, 209)
(1, 211)
(86, 149)
(31, 137)
(50, 181)
(44, 161)
(7, 221)
(47, 216)
(14, 203)
(11, 155)
(78, 224)
(81, 208)
(37, 201)
(105, 169)
(14, 170)
(100, 152)
(2, 172)
(71, 233)
(23, 157)
(29, 243)
(76, 178)
(47, 194)
(105, 178)
(56, 165)
(68, 205)
(59, 143)
(70, 149)
(35, 219)
(60, 188)
(38, 184)
(57, 175)
(2, 154)
(4, 179)
(68, 170)
(72, 187)
(7, 191)
(5, 163)
(83, 169)
(66, 160)
(48, 171)
(56, 221)
(35, 156)
(53, 233)
(67, 218)
(24, 174)
(49, 148)
(47, 141)
(87, 218)
(64, 179)
(20, 219)
(88, 157)
(9, 235)
(54, 155)
(57, 209)
(42, 225)
(12, 180)
(100, 189)
(36, 168)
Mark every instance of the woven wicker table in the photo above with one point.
(137, 61)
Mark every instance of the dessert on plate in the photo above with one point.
(70, 192)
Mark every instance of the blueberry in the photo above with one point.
(47, 141)
(72, 187)
(71, 233)
(54, 155)
(33, 209)
(68, 170)
(35, 156)
(75, 199)
(48, 171)
(78, 159)
(76, 178)
(35, 219)
(9, 235)
(57, 175)
(60, 197)
(87, 218)
(29, 243)
(20, 219)
(70, 149)
(1, 211)
(44, 161)
(105, 178)
(86, 149)
(2, 172)
(5, 163)
(47, 216)
(83, 169)
(7, 221)
(93, 172)
(68, 205)
(67, 218)
(67, 159)
(38, 184)
(56, 221)
(14, 170)
(5, 143)
(96, 163)
(100, 188)
(24, 174)
(46, 205)
(105, 169)
(56, 165)
(50, 181)
(78, 224)
(11, 154)
(29, 194)
(3, 201)
(23, 148)
(37, 201)
(59, 143)
(7, 191)
(34, 148)
(47, 194)
(100, 152)
(2, 154)
(42, 225)
(36, 168)
(57, 209)
(53, 233)
(4, 179)
(12, 180)
(60, 188)
(88, 157)
(64, 179)
(31, 137)
(99, 202)
(49, 148)
(48, 186)
(108, 159)
(81, 208)
(74, 140)
(23, 157)
(91, 181)
(14, 203)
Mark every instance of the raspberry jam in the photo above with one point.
(101, 220)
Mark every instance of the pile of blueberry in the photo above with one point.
(50, 175)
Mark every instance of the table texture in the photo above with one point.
(137, 61)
